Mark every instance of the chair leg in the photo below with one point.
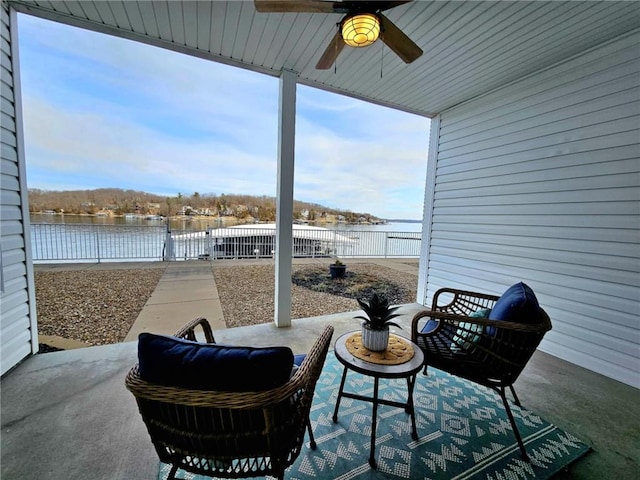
(515, 397)
(312, 441)
(172, 472)
(513, 424)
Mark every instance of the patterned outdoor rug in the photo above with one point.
(463, 432)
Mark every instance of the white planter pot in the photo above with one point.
(375, 340)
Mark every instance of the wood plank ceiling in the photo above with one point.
(470, 47)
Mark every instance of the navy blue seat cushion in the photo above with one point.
(298, 359)
(517, 304)
(430, 326)
(447, 330)
(297, 362)
(172, 361)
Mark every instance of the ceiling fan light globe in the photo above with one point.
(361, 29)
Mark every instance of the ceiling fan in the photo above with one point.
(361, 25)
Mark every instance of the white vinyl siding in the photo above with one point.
(539, 182)
(18, 337)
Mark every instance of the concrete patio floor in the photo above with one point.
(67, 415)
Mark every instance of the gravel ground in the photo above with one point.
(94, 306)
(100, 306)
(247, 293)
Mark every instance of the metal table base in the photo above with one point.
(406, 370)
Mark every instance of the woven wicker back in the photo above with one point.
(460, 302)
(230, 434)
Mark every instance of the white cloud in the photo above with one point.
(369, 171)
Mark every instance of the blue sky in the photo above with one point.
(100, 111)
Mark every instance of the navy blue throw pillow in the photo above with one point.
(172, 361)
(518, 304)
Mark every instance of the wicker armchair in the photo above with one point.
(225, 433)
(457, 338)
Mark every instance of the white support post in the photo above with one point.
(427, 215)
(284, 198)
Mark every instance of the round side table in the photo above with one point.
(406, 370)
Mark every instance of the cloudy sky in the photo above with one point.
(100, 111)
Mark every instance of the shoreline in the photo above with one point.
(224, 220)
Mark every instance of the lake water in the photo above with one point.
(202, 224)
(73, 238)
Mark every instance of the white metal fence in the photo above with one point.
(81, 242)
(103, 243)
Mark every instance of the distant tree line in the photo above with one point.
(120, 202)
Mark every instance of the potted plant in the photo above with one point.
(337, 269)
(375, 328)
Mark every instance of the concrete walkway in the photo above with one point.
(185, 291)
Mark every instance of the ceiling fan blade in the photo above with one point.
(294, 6)
(331, 53)
(397, 41)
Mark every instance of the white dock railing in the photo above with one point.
(57, 242)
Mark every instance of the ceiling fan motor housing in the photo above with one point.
(360, 29)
